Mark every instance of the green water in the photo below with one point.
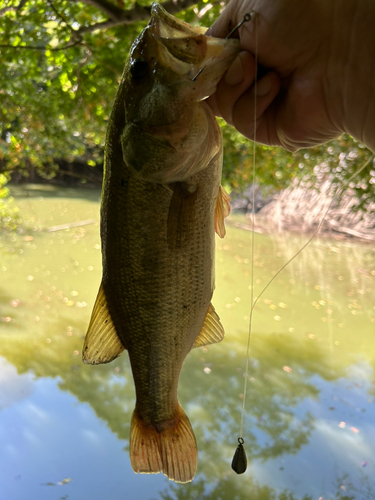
(310, 411)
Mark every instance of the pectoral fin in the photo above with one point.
(212, 330)
(102, 343)
(222, 210)
(181, 214)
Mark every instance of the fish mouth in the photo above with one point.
(167, 26)
(189, 53)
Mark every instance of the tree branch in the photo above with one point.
(117, 17)
(112, 11)
(33, 47)
(137, 13)
(59, 15)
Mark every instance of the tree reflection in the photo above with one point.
(273, 424)
(227, 489)
(286, 369)
(239, 488)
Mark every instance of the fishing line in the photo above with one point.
(239, 462)
(340, 189)
(240, 455)
(246, 18)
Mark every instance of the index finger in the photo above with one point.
(220, 28)
(229, 18)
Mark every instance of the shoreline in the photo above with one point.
(263, 225)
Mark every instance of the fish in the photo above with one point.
(162, 203)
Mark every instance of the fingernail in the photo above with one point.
(264, 86)
(234, 74)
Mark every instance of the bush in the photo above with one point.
(9, 217)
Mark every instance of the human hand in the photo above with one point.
(319, 56)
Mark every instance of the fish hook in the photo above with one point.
(246, 18)
(199, 72)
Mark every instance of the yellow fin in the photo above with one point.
(102, 343)
(212, 330)
(169, 447)
(222, 210)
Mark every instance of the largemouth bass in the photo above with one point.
(161, 204)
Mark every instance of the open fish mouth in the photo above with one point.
(188, 52)
(167, 26)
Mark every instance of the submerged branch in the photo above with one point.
(351, 232)
(68, 225)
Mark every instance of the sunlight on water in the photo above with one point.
(310, 413)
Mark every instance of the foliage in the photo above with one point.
(9, 217)
(275, 167)
(60, 64)
(56, 103)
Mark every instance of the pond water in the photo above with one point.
(310, 412)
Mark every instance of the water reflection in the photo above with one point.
(109, 389)
(310, 406)
(15, 387)
(232, 489)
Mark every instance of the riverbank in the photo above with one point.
(303, 209)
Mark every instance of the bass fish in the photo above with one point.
(161, 204)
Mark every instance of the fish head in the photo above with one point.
(171, 52)
(172, 67)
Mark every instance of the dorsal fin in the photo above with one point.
(212, 330)
(102, 343)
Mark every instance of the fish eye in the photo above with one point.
(139, 68)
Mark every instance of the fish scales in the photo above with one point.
(152, 305)
(161, 205)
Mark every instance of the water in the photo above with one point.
(310, 414)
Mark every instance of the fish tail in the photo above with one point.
(169, 448)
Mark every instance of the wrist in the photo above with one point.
(352, 69)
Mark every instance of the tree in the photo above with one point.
(61, 61)
(60, 64)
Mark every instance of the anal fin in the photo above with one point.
(212, 330)
(102, 343)
(222, 210)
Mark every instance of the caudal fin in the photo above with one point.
(172, 451)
